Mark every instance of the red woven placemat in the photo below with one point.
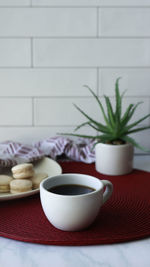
(125, 217)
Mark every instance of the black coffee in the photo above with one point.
(70, 189)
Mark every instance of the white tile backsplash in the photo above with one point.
(125, 52)
(15, 52)
(142, 138)
(132, 22)
(15, 111)
(67, 52)
(38, 22)
(58, 111)
(131, 3)
(136, 82)
(66, 2)
(46, 82)
(91, 2)
(50, 48)
(91, 52)
(141, 111)
(31, 135)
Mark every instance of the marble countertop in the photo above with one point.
(129, 254)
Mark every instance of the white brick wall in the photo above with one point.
(50, 48)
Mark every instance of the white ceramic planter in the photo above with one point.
(114, 159)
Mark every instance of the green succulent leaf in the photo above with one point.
(125, 117)
(104, 138)
(136, 123)
(110, 112)
(86, 123)
(117, 127)
(133, 110)
(100, 129)
(100, 126)
(118, 101)
(138, 130)
(81, 125)
(100, 105)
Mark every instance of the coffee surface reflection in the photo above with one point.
(70, 189)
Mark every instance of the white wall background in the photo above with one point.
(50, 48)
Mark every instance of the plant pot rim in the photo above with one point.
(117, 146)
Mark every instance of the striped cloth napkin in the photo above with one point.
(12, 153)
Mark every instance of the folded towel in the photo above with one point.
(12, 153)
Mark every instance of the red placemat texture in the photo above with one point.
(125, 216)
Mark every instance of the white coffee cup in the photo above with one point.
(75, 212)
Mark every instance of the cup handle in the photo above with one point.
(108, 190)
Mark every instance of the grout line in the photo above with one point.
(63, 97)
(14, 97)
(49, 37)
(92, 67)
(46, 6)
(40, 126)
(48, 67)
(30, 5)
(75, 6)
(17, 7)
(87, 37)
(125, 6)
(101, 93)
(97, 73)
(31, 126)
(31, 43)
(74, 67)
(131, 96)
(15, 126)
(67, 96)
(97, 22)
(32, 111)
(14, 67)
(47, 97)
(124, 37)
(78, 37)
(15, 37)
(123, 67)
(52, 125)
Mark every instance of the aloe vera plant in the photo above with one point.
(117, 127)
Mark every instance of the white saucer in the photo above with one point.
(46, 165)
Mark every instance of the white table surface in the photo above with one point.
(129, 254)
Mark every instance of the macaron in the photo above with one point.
(23, 171)
(5, 183)
(20, 186)
(37, 179)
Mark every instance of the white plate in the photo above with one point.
(46, 165)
